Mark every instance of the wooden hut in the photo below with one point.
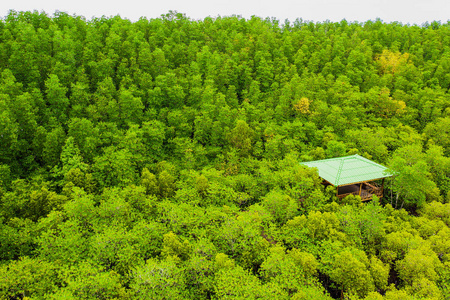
(352, 175)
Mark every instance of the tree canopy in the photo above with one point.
(161, 158)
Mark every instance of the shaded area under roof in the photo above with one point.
(348, 169)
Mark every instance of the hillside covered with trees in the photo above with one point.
(160, 159)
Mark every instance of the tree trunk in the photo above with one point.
(396, 200)
(392, 199)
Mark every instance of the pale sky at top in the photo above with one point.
(405, 11)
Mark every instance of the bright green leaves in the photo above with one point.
(364, 226)
(199, 274)
(321, 225)
(28, 277)
(115, 248)
(8, 129)
(291, 271)
(158, 280)
(53, 145)
(168, 92)
(335, 149)
(114, 168)
(418, 263)
(42, 202)
(173, 247)
(351, 269)
(80, 98)
(154, 62)
(412, 178)
(242, 237)
(26, 200)
(264, 70)
(237, 283)
(379, 272)
(351, 273)
(87, 281)
(436, 210)
(149, 182)
(153, 135)
(240, 138)
(66, 243)
(17, 238)
(58, 104)
(160, 158)
(166, 184)
(419, 270)
(71, 158)
(281, 206)
(85, 136)
(130, 107)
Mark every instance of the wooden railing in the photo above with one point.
(341, 196)
(366, 194)
(375, 189)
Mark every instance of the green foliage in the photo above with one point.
(166, 184)
(149, 182)
(322, 225)
(17, 238)
(291, 271)
(412, 177)
(173, 247)
(160, 159)
(28, 277)
(436, 210)
(114, 168)
(282, 207)
(363, 225)
(56, 98)
(115, 249)
(158, 280)
(236, 283)
(66, 243)
(351, 272)
(240, 137)
(311, 293)
(86, 281)
(379, 272)
(418, 263)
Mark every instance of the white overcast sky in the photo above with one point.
(405, 11)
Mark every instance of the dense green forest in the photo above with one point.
(160, 159)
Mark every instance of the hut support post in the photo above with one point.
(360, 188)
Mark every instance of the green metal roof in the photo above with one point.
(348, 169)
